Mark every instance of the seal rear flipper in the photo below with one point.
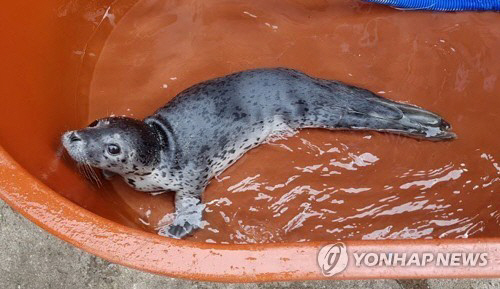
(413, 121)
(343, 106)
(433, 125)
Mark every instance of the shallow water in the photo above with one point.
(318, 184)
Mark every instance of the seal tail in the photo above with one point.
(380, 114)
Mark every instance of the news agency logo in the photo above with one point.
(333, 258)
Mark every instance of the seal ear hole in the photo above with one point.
(113, 149)
(94, 123)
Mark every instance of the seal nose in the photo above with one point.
(73, 137)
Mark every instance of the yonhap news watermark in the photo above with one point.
(334, 258)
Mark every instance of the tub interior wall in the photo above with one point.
(43, 42)
(61, 74)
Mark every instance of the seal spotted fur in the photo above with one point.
(208, 126)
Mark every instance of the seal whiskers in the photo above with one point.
(89, 173)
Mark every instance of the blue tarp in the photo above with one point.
(443, 5)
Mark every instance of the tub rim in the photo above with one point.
(215, 262)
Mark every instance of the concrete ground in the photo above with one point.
(32, 258)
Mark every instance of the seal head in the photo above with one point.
(120, 145)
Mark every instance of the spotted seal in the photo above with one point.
(209, 126)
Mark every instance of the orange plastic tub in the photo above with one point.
(68, 62)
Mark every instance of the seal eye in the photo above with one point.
(94, 123)
(113, 149)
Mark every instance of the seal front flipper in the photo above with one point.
(178, 231)
(188, 216)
